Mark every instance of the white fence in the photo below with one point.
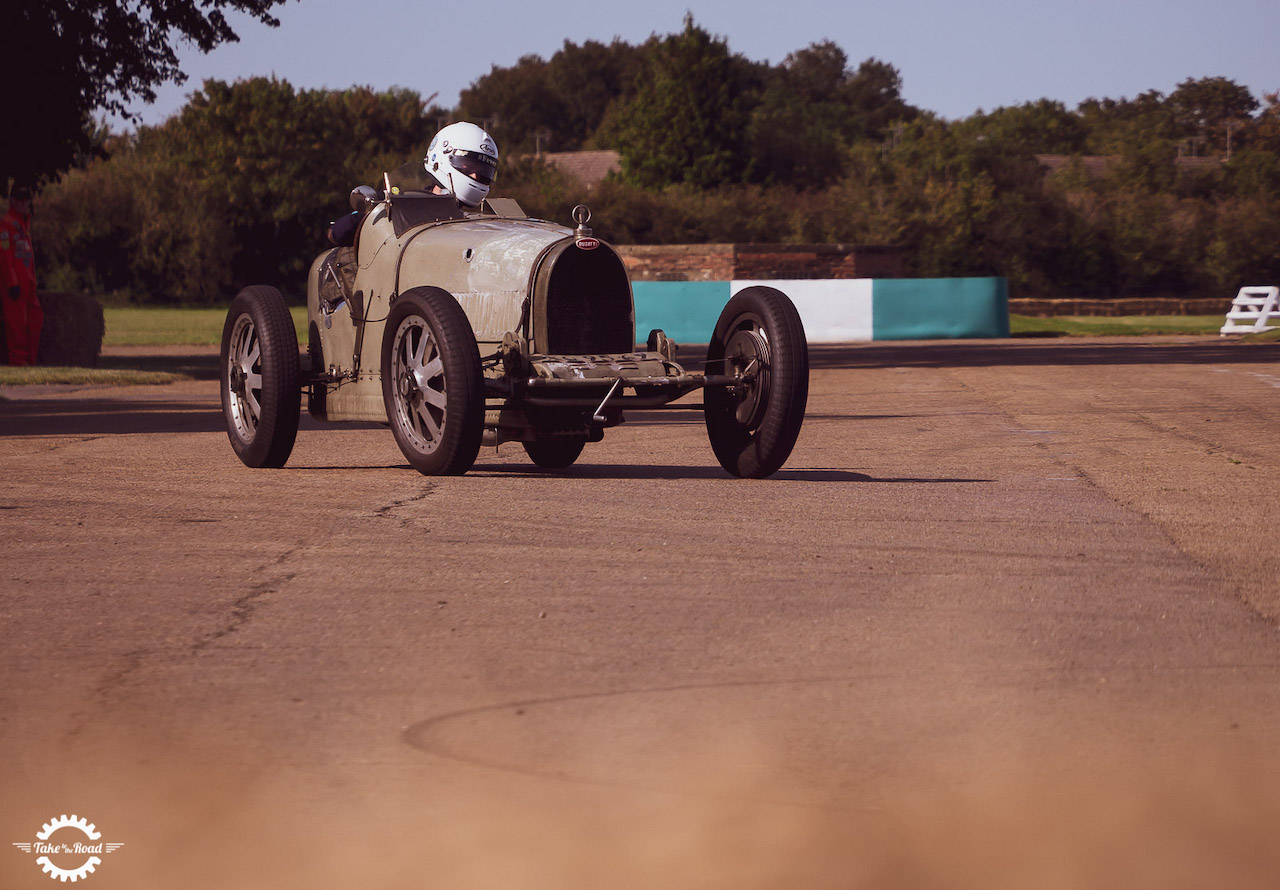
(1253, 309)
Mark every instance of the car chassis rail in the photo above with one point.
(578, 382)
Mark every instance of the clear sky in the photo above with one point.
(955, 57)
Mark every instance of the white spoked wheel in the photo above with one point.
(432, 383)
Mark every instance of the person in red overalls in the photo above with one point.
(23, 316)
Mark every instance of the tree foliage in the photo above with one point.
(814, 107)
(1209, 107)
(687, 121)
(556, 104)
(67, 59)
(1157, 194)
(239, 187)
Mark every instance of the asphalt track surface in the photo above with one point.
(1007, 618)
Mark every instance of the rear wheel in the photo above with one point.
(259, 377)
(554, 454)
(432, 382)
(753, 424)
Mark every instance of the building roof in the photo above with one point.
(588, 167)
(1097, 165)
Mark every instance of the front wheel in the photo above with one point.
(753, 424)
(259, 377)
(432, 382)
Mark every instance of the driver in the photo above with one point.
(462, 161)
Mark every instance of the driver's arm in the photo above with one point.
(342, 231)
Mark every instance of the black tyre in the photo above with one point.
(432, 383)
(554, 454)
(754, 424)
(260, 378)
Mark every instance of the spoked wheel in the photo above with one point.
(432, 383)
(259, 377)
(753, 424)
(554, 454)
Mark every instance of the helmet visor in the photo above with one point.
(477, 165)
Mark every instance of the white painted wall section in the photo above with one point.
(832, 310)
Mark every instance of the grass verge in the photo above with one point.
(28, 376)
(143, 326)
(1082, 326)
(154, 326)
(168, 327)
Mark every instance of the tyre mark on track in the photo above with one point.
(453, 735)
(423, 735)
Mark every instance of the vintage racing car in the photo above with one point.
(459, 329)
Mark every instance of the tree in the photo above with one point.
(236, 189)
(280, 162)
(554, 105)
(1265, 131)
(1208, 106)
(67, 59)
(588, 79)
(137, 223)
(797, 131)
(1042, 127)
(814, 107)
(513, 104)
(1242, 250)
(688, 120)
(1115, 124)
(873, 95)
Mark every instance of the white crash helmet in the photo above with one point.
(464, 159)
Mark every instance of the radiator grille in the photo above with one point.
(585, 303)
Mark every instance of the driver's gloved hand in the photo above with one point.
(15, 292)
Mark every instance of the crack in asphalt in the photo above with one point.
(44, 446)
(241, 613)
(243, 608)
(102, 692)
(387, 511)
(1212, 446)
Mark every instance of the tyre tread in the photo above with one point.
(281, 401)
(465, 380)
(761, 452)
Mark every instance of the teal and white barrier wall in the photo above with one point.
(838, 310)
